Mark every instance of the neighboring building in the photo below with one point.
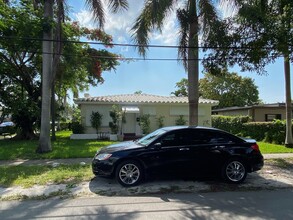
(265, 112)
(136, 105)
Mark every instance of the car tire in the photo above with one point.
(234, 171)
(129, 173)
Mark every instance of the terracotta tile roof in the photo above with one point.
(140, 98)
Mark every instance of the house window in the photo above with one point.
(271, 117)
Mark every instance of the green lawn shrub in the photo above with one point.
(270, 132)
(232, 124)
(77, 128)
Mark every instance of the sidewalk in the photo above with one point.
(46, 161)
(88, 160)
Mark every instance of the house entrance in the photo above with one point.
(131, 127)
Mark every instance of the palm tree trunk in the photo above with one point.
(288, 140)
(44, 141)
(53, 112)
(193, 67)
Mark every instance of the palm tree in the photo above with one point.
(48, 75)
(44, 140)
(195, 17)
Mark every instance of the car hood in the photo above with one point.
(120, 146)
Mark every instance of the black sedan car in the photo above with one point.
(188, 151)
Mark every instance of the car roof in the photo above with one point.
(179, 127)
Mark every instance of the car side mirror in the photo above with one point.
(158, 145)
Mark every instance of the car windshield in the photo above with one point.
(146, 140)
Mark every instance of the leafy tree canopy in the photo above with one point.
(260, 34)
(21, 28)
(229, 89)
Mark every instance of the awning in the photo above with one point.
(130, 109)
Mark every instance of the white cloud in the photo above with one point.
(85, 18)
(122, 40)
(169, 33)
(119, 25)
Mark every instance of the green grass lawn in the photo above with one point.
(63, 147)
(267, 148)
(27, 176)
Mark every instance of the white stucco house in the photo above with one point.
(136, 105)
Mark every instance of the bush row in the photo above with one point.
(231, 124)
(272, 132)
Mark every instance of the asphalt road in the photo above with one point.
(275, 204)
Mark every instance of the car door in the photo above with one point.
(169, 154)
(209, 150)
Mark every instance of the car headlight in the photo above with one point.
(103, 156)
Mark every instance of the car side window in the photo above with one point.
(176, 138)
(202, 137)
(198, 137)
(221, 138)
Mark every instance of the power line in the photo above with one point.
(128, 45)
(127, 59)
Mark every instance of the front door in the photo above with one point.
(130, 125)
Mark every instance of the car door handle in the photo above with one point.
(218, 147)
(184, 148)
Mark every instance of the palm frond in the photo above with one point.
(97, 8)
(116, 5)
(141, 31)
(159, 10)
(183, 18)
(234, 5)
(152, 16)
(208, 15)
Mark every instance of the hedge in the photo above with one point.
(232, 124)
(272, 132)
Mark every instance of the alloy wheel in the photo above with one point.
(235, 171)
(129, 174)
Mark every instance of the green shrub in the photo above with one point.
(270, 132)
(96, 120)
(145, 123)
(232, 124)
(77, 128)
(65, 126)
(160, 121)
(180, 120)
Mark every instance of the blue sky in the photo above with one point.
(159, 77)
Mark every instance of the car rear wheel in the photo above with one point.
(129, 173)
(234, 171)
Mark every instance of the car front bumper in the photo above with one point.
(102, 168)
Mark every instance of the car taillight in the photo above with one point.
(255, 147)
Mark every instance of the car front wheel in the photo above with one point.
(129, 173)
(234, 171)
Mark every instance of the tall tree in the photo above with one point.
(195, 17)
(182, 90)
(19, 58)
(229, 89)
(47, 78)
(96, 7)
(261, 33)
(21, 63)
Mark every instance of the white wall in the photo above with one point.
(171, 112)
